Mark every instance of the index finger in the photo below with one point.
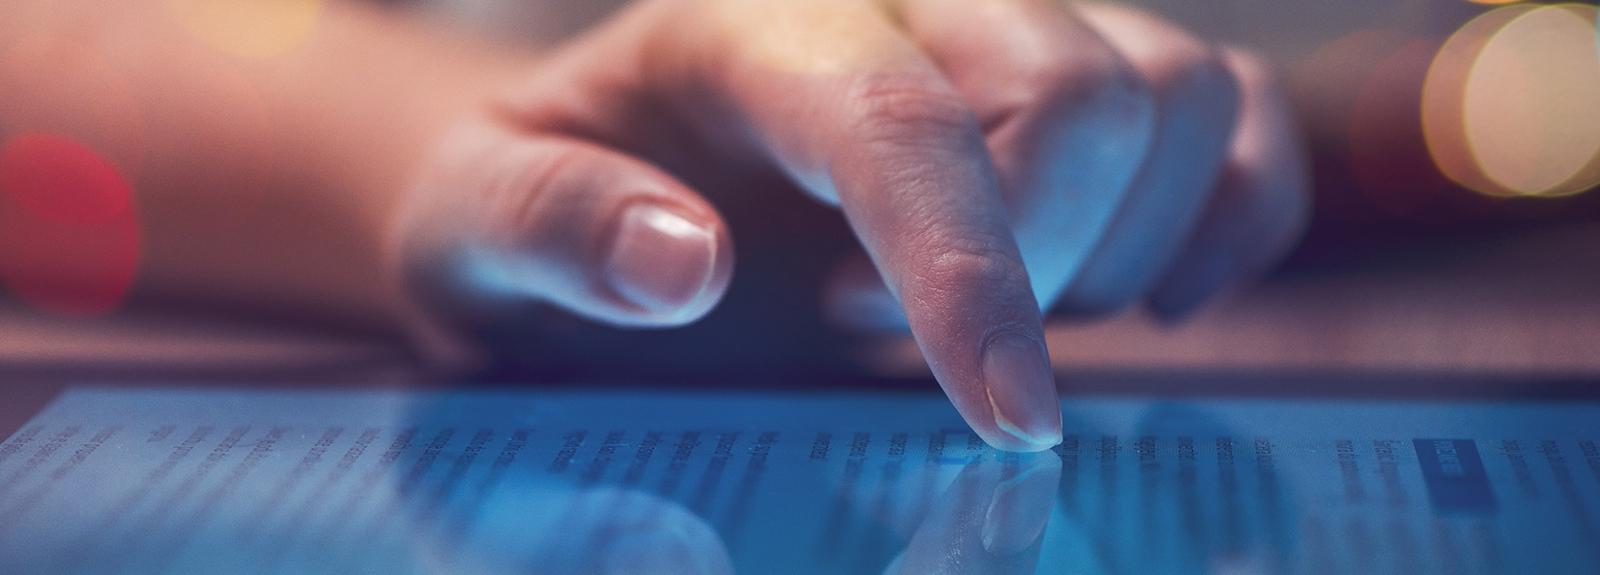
(856, 113)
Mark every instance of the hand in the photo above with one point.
(993, 158)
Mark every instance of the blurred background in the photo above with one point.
(1466, 240)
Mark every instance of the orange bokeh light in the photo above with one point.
(249, 28)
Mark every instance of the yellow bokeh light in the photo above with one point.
(1443, 100)
(1510, 107)
(249, 28)
(1532, 108)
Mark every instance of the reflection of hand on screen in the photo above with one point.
(565, 531)
(990, 520)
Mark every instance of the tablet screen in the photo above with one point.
(209, 480)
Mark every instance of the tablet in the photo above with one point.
(229, 478)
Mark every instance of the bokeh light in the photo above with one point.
(1323, 79)
(249, 28)
(1444, 99)
(1363, 95)
(69, 231)
(1388, 153)
(1512, 102)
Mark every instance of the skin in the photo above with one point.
(994, 160)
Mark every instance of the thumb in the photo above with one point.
(503, 219)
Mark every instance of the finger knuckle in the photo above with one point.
(910, 110)
(525, 185)
(979, 271)
(1086, 74)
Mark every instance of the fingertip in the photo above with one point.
(1019, 511)
(1260, 206)
(671, 264)
(1020, 386)
(1007, 442)
(501, 221)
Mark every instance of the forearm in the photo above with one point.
(264, 174)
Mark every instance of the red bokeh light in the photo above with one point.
(69, 232)
(1388, 151)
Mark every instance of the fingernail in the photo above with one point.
(661, 261)
(1022, 391)
(1021, 506)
